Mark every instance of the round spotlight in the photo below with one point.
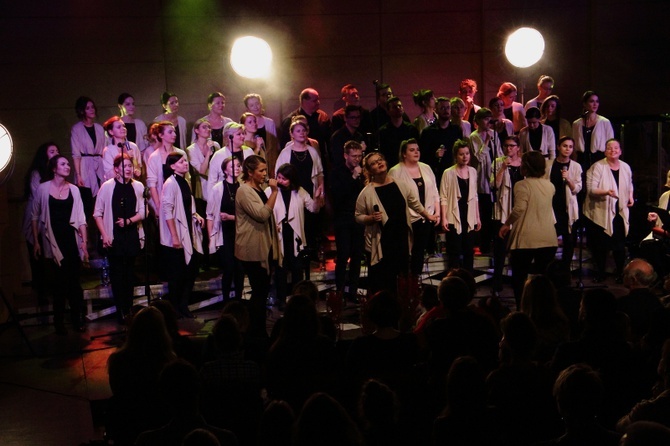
(251, 57)
(6, 148)
(524, 47)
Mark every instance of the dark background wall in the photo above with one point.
(53, 52)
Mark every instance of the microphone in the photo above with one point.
(439, 158)
(376, 209)
(120, 145)
(585, 114)
(565, 169)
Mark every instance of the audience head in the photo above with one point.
(466, 386)
(598, 310)
(429, 297)
(533, 164)
(378, 405)
(179, 385)
(454, 294)
(148, 334)
(226, 334)
(383, 310)
(519, 336)
(646, 433)
(538, 299)
(85, 108)
(639, 274)
(467, 277)
(239, 312)
(578, 391)
(301, 320)
(276, 424)
(169, 315)
(200, 437)
(324, 422)
(307, 288)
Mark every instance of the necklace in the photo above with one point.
(300, 156)
(60, 189)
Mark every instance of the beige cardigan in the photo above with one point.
(532, 218)
(601, 209)
(450, 193)
(256, 229)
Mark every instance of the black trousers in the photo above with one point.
(64, 283)
(181, 277)
(349, 241)
(122, 279)
(231, 268)
(421, 234)
(259, 280)
(528, 261)
(460, 245)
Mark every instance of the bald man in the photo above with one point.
(641, 302)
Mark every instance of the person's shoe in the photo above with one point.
(61, 330)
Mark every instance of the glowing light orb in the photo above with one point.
(524, 47)
(251, 57)
(6, 147)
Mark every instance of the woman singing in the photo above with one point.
(256, 243)
(137, 129)
(170, 103)
(566, 176)
(505, 177)
(221, 227)
(116, 129)
(182, 242)
(383, 206)
(591, 132)
(609, 194)
(532, 241)
(118, 213)
(460, 209)
(252, 138)
(289, 211)
(418, 177)
(59, 231)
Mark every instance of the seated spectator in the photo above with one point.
(520, 389)
(640, 303)
(646, 433)
(538, 301)
(182, 345)
(276, 425)
(134, 370)
(179, 387)
(200, 437)
(579, 395)
(378, 409)
(466, 418)
(656, 409)
(231, 385)
(568, 298)
(301, 361)
(324, 422)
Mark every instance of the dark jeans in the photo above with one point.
(349, 241)
(38, 275)
(181, 277)
(231, 268)
(600, 244)
(259, 280)
(460, 245)
(421, 235)
(499, 254)
(528, 261)
(122, 279)
(563, 230)
(64, 281)
(486, 234)
(291, 264)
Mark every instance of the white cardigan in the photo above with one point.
(503, 204)
(172, 207)
(196, 158)
(365, 204)
(181, 124)
(548, 145)
(450, 193)
(317, 166)
(103, 207)
(401, 174)
(300, 200)
(601, 209)
(602, 132)
(42, 215)
(575, 175)
(91, 170)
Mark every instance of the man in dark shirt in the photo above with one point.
(395, 131)
(350, 131)
(317, 120)
(350, 97)
(640, 303)
(438, 139)
(347, 182)
(379, 114)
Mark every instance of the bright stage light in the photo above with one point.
(251, 57)
(6, 148)
(524, 47)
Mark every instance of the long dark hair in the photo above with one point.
(39, 165)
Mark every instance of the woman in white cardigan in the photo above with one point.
(59, 232)
(609, 194)
(87, 139)
(383, 206)
(119, 211)
(591, 132)
(289, 211)
(266, 128)
(419, 177)
(537, 136)
(460, 207)
(137, 129)
(566, 176)
(182, 242)
(117, 132)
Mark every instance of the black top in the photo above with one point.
(177, 139)
(344, 191)
(559, 201)
(390, 138)
(304, 163)
(60, 212)
(431, 139)
(555, 124)
(535, 137)
(186, 198)
(464, 187)
(421, 185)
(217, 135)
(131, 132)
(91, 132)
(228, 205)
(124, 201)
(394, 232)
(514, 176)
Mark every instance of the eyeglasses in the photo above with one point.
(509, 145)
